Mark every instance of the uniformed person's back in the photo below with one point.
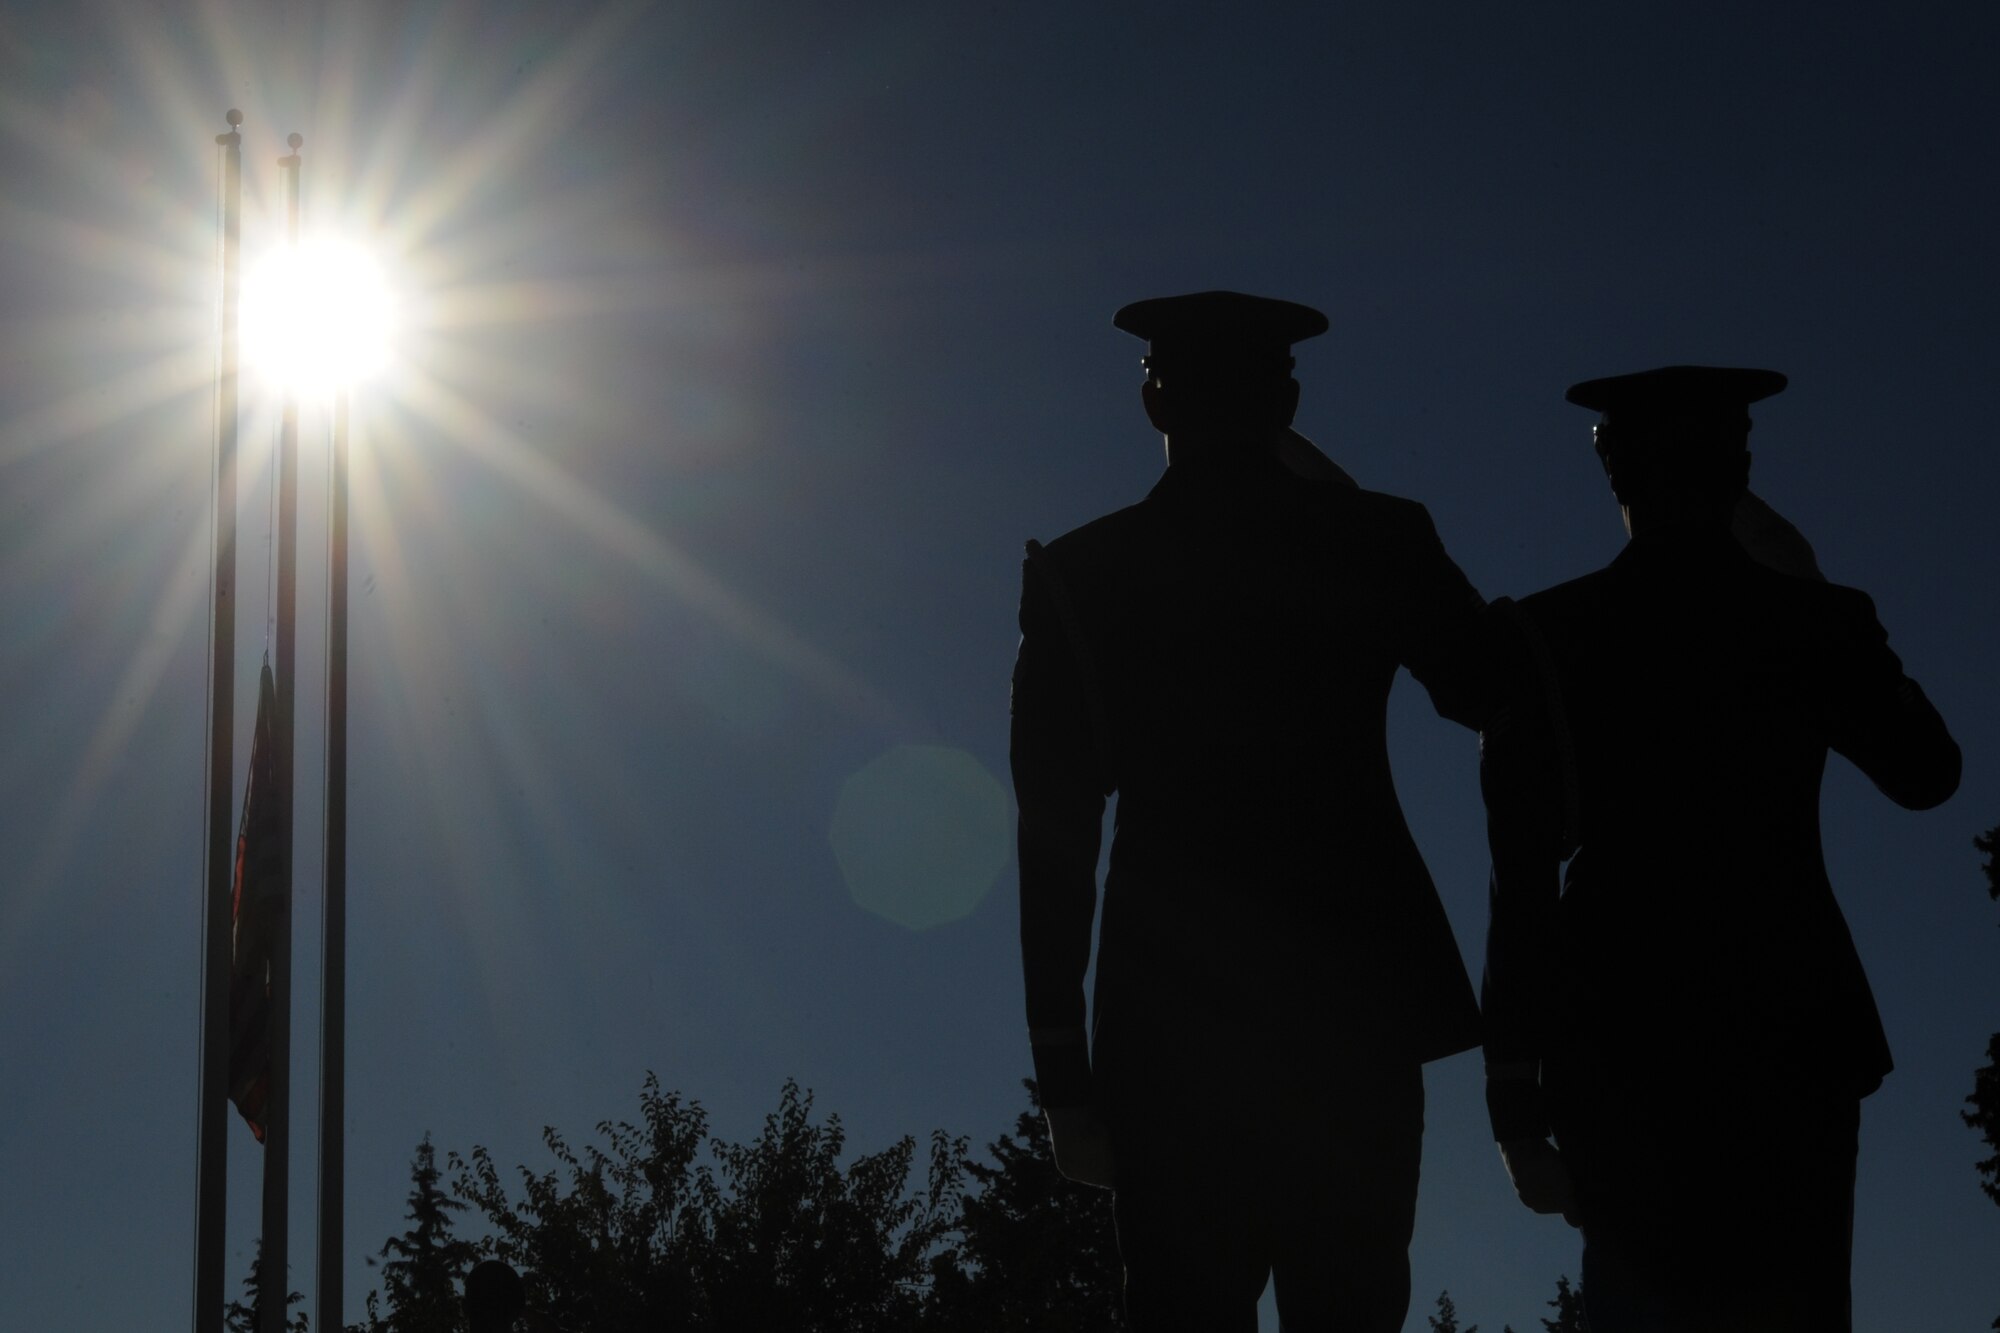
(1245, 632)
(1274, 965)
(1691, 1018)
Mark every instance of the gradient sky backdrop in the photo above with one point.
(745, 343)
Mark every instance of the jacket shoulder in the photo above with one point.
(1566, 599)
(1780, 603)
(1112, 531)
(1836, 601)
(1381, 519)
(1806, 605)
(1393, 511)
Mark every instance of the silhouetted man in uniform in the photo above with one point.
(1687, 1013)
(1274, 964)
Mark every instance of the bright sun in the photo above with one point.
(320, 319)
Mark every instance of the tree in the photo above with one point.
(420, 1283)
(1568, 1306)
(1985, 1099)
(1989, 842)
(1446, 1318)
(604, 1238)
(795, 1243)
(1035, 1250)
(651, 1231)
(1985, 1115)
(241, 1316)
(659, 1225)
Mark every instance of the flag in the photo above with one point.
(256, 911)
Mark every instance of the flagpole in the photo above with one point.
(278, 1140)
(333, 971)
(212, 1076)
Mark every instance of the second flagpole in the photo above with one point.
(277, 1146)
(333, 974)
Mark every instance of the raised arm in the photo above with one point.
(1442, 642)
(1881, 719)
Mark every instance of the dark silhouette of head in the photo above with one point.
(1218, 367)
(1675, 442)
(494, 1297)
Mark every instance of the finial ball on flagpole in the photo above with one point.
(234, 117)
(296, 140)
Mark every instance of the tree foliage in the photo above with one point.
(241, 1316)
(1568, 1306)
(1446, 1318)
(663, 1226)
(1989, 842)
(660, 1225)
(1035, 1250)
(794, 1242)
(604, 1237)
(422, 1267)
(1985, 1099)
(1985, 1115)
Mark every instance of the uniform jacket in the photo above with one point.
(1670, 727)
(1220, 657)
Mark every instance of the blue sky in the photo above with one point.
(743, 347)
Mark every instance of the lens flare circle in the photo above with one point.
(318, 318)
(920, 834)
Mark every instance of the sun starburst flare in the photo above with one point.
(320, 318)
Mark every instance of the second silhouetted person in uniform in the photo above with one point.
(1687, 1013)
(1274, 965)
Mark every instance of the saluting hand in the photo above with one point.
(1540, 1176)
(1082, 1145)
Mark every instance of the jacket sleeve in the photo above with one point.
(1527, 777)
(1441, 642)
(1059, 788)
(1881, 719)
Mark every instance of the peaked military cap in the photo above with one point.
(1678, 390)
(1223, 321)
